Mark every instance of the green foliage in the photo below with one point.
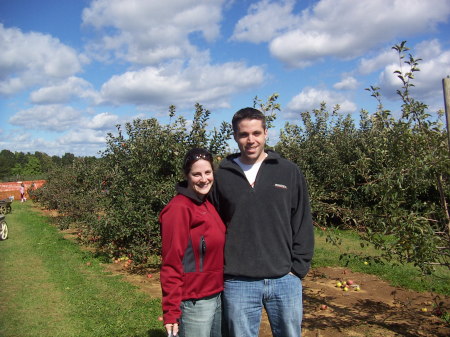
(140, 172)
(323, 147)
(387, 178)
(75, 191)
(32, 167)
(115, 201)
(268, 108)
(7, 162)
(27, 166)
(140, 168)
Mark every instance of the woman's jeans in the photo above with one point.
(201, 318)
(244, 298)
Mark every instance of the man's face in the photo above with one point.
(251, 138)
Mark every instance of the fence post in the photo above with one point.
(446, 86)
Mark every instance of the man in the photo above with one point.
(263, 200)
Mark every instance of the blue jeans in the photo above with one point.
(201, 318)
(281, 297)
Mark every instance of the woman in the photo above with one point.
(193, 237)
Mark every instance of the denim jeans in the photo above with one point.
(201, 318)
(282, 298)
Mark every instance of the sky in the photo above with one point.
(71, 70)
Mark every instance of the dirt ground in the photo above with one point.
(376, 309)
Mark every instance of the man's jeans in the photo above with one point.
(245, 297)
(201, 318)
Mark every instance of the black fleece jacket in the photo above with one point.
(269, 227)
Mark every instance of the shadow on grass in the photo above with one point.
(156, 333)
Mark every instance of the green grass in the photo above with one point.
(48, 288)
(405, 276)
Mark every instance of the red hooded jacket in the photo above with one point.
(193, 238)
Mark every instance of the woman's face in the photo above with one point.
(200, 178)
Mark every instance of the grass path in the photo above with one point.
(49, 287)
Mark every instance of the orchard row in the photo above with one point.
(385, 177)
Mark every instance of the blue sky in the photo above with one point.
(70, 70)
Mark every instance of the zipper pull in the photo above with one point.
(203, 246)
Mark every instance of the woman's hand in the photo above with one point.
(172, 329)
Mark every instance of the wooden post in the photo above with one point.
(446, 86)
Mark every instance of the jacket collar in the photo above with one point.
(182, 188)
(228, 162)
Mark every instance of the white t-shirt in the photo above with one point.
(250, 170)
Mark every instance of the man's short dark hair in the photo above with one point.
(247, 113)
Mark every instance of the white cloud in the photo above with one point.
(347, 83)
(64, 91)
(19, 137)
(59, 118)
(75, 134)
(23, 141)
(197, 83)
(265, 20)
(28, 59)
(102, 121)
(148, 32)
(80, 143)
(369, 65)
(339, 28)
(311, 98)
(428, 83)
(83, 137)
(47, 117)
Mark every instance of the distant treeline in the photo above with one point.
(16, 166)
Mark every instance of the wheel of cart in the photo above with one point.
(3, 228)
(5, 206)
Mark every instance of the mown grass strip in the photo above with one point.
(49, 287)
